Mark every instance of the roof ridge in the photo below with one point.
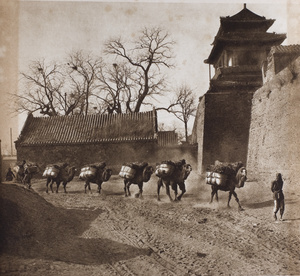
(89, 128)
(292, 48)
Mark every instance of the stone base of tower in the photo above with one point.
(226, 121)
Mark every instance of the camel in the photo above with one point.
(233, 181)
(142, 174)
(63, 175)
(19, 171)
(95, 173)
(25, 171)
(176, 178)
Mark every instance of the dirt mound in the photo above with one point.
(27, 221)
(32, 227)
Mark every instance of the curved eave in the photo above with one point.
(232, 25)
(82, 142)
(221, 42)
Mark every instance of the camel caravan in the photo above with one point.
(171, 174)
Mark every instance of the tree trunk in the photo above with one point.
(186, 131)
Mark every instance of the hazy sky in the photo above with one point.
(51, 29)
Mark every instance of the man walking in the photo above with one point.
(278, 196)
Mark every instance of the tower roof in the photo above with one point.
(243, 28)
(245, 14)
(246, 19)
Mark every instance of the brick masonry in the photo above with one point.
(223, 121)
(274, 130)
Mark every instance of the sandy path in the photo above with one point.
(109, 234)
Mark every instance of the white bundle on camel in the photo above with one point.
(218, 173)
(166, 168)
(128, 170)
(52, 170)
(91, 170)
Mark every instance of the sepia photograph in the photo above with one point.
(149, 138)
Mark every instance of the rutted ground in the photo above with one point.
(108, 234)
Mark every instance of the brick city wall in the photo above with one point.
(274, 130)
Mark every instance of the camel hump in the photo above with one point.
(99, 165)
(143, 165)
(139, 165)
(168, 162)
(136, 165)
(230, 169)
(179, 164)
(59, 165)
(64, 173)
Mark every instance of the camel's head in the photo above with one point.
(71, 170)
(148, 171)
(187, 169)
(106, 174)
(241, 177)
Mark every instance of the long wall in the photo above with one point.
(274, 131)
(114, 154)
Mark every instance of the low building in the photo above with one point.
(113, 138)
(80, 139)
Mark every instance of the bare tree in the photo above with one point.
(83, 69)
(186, 106)
(84, 83)
(151, 52)
(42, 90)
(117, 84)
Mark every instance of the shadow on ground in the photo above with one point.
(32, 227)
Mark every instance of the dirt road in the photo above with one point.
(108, 234)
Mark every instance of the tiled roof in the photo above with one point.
(245, 14)
(236, 38)
(253, 37)
(243, 27)
(89, 129)
(167, 138)
(281, 56)
(289, 49)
